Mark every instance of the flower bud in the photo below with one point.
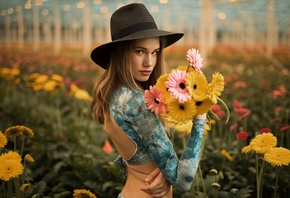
(215, 186)
(213, 172)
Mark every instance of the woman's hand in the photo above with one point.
(201, 116)
(156, 185)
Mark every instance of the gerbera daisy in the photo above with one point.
(247, 149)
(182, 112)
(80, 193)
(153, 98)
(27, 132)
(263, 142)
(177, 86)
(184, 127)
(3, 140)
(13, 131)
(203, 106)
(278, 156)
(10, 169)
(215, 87)
(160, 85)
(11, 155)
(194, 59)
(197, 85)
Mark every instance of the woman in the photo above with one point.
(133, 61)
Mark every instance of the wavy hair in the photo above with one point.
(119, 73)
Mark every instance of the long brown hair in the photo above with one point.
(118, 74)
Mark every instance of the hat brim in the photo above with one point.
(101, 54)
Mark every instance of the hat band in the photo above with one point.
(133, 28)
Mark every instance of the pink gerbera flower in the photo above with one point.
(176, 84)
(194, 59)
(153, 98)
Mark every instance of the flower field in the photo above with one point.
(49, 96)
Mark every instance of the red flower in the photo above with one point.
(234, 127)
(107, 148)
(242, 135)
(284, 128)
(236, 104)
(265, 130)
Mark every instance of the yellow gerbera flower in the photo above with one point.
(10, 169)
(263, 142)
(50, 85)
(3, 140)
(278, 156)
(184, 127)
(196, 85)
(182, 112)
(160, 85)
(11, 155)
(56, 77)
(203, 106)
(19, 130)
(247, 149)
(227, 155)
(80, 193)
(215, 87)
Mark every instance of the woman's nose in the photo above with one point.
(148, 60)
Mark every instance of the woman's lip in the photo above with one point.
(146, 73)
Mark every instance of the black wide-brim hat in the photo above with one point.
(130, 22)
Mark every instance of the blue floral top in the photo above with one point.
(147, 131)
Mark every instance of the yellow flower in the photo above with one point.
(50, 85)
(19, 130)
(203, 106)
(9, 73)
(247, 149)
(215, 87)
(196, 85)
(11, 155)
(3, 140)
(82, 94)
(41, 79)
(227, 155)
(207, 128)
(181, 112)
(184, 127)
(79, 193)
(263, 142)
(10, 169)
(56, 77)
(160, 85)
(278, 156)
(28, 158)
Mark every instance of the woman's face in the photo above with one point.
(143, 57)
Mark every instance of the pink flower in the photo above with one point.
(176, 84)
(153, 98)
(234, 127)
(242, 135)
(194, 59)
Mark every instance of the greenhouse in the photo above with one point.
(52, 146)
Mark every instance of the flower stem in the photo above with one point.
(276, 181)
(227, 109)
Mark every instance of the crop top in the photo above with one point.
(152, 143)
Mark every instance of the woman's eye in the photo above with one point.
(155, 52)
(140, 52)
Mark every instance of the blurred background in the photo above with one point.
(206, 23)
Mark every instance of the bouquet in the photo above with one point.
(184, 92)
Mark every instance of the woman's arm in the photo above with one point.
(178, 172)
